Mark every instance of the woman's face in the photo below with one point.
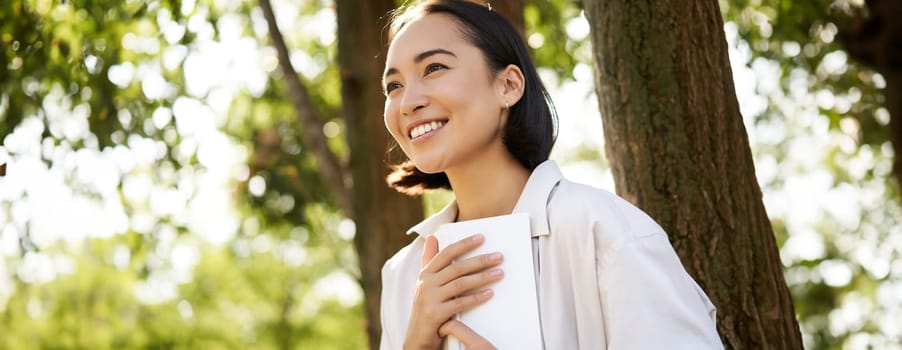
(443, 104)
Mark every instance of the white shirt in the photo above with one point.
(607, 276)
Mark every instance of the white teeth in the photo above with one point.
(422, 129)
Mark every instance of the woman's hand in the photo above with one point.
(441, 288)
(468, 337)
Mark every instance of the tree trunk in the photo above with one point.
(678, 148)
(876, 40)
(382, 215)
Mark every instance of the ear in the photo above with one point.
(511, 85)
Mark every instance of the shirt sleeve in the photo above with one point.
(384, 344)
(384, 341)
(648, 300)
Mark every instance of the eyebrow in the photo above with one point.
(420, 58)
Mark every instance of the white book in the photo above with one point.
(510, 319)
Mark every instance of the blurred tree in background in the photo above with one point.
(825, 158)
(158, 194)
(161, 190)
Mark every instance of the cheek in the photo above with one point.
(391, 119)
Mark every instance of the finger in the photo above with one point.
(465, 334)
(430, 250)
(467, 283)
(468, 266)
(465, 302)
(452, 251)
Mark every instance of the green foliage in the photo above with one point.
(132, 74)
(253, 293)
(46, 49)
(803, 39)
(839, 273)
(546, 23)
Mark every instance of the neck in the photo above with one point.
(488, 186)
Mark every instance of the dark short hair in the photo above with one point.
(531, 127)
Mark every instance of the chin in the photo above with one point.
(430, 169)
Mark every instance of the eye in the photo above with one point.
(391, 87)
(434, 67)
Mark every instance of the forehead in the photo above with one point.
(425, 33)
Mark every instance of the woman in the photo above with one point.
(464, 102)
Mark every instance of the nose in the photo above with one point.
(413, 99)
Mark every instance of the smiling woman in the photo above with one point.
(442, 62)
(465, 104)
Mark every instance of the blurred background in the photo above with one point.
(159, 193)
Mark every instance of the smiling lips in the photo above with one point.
(425, 128)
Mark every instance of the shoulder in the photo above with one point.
(399, 275)
(406, 259)
(579, 207)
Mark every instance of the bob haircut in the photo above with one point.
(531, 127)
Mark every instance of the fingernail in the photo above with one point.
(496, 256)
(477, 238)
(487, 292)
(496, 273)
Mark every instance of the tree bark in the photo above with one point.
(332, 170)
(678, 149)
(876, 40)
(382, 215)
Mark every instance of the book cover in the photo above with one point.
(510, 319)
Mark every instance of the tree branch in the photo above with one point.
(332, 171)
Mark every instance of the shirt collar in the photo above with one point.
(533, 201)
(432, 223)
